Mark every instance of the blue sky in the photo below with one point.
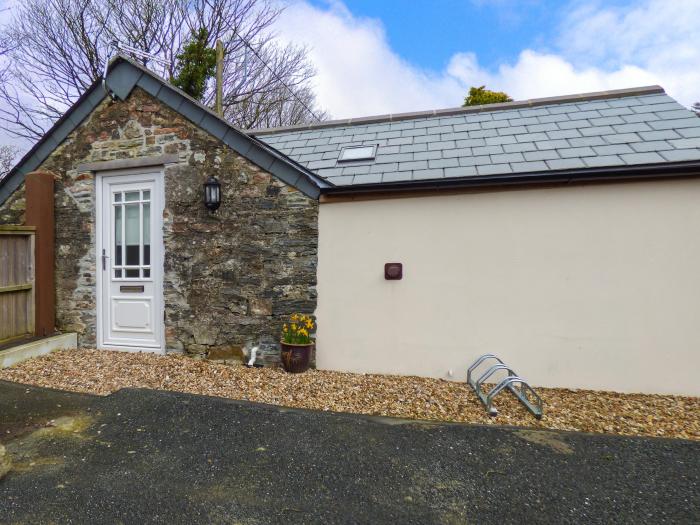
(428, 33)
(375, 57)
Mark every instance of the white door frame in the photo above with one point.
(154, 173)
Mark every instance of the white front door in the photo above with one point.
(130, 260)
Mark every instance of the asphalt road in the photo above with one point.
(141, 456)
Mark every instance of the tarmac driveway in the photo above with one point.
(142, 456)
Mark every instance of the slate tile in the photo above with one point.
(493, 169)
(564, 134)
(613, 149)
(411, 148)
(533, 128)
(427, 155)
(686, 143)
(678, 155)
(343, 180)
(436, 130)
(428, 174)
(622, 138)
(632, 127)
(552, 144)
(574, 124)
(652, 145)
(507, 157)
(565, 164)
(389, 134)
(642, 158)
(399, 141)
(486, 150)
(493, 124)
(690, 132)
(396, 176)
(583, 115)
(597, 130)
(462, 171)
(413, 132)
(413, 165)
(443, 163)
(503, 139)
(512, 130)
(468, 143)
(560, 117)
(541, 155)
(531, 137)
(475, 160)
(665, 134)
(519, 147)
(640, 117)
(450, 153)
(470, 126)
(609, 112)
(523, 121)
(576, 152)
(443, 144)
(606, 121)
(526, 167)
(401, 125)
(485, 132)
(603, 160)
(384, 167)
(356, 170)
(370, 178)
(691, 122)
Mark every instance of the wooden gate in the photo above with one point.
(17, 285)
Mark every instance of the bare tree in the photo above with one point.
(7, 159)
(57, 49)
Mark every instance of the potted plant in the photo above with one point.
(297, 344)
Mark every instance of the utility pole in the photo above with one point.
(219, 78)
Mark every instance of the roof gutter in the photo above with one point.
(663, 170)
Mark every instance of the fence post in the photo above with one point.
(40, 214)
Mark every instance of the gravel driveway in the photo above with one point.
(144, 456)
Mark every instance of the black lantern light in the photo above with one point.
(212, 193)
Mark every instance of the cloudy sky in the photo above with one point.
(376, 57)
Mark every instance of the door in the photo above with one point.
(130, 261)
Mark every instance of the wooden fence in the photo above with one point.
(17, 283)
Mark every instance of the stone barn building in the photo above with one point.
(559, 233)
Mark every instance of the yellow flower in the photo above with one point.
(294, 326)
(309, 324)
(302, 331)
(285, 328)
(295, 317)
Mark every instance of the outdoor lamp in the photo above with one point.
(212, 193)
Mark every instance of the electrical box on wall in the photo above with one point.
(393, 271)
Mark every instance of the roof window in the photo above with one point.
(350, 153)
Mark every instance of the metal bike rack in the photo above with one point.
(513, 382)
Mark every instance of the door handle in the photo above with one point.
(104, 259)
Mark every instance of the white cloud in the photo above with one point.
(598, 48)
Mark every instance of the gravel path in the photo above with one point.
(103, 372)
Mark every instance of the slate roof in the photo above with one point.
(622, 128)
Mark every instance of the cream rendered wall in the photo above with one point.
(592, 286)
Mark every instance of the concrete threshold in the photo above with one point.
(22, 352)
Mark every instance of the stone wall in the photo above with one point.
(12, 210)
(230, 276)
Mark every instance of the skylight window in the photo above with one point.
(350, 153)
